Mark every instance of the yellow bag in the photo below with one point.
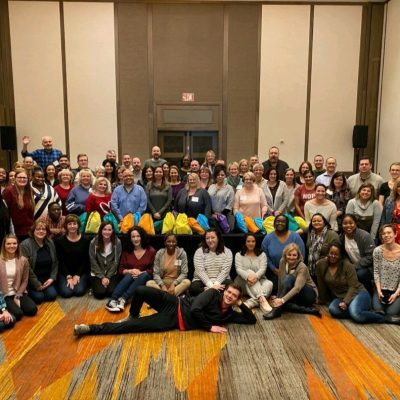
(168, 224)
(251, 225)
(302, 223)
(146, 222)
(126, 223)
(93, 222)
(196, 227)
(182, 225)
(268, 224)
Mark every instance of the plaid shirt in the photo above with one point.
(43, 157)
(56, 228)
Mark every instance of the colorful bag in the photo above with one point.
(259, 223)
(110, 217)
(251, 226)
(168, 223)
(301, 222)
(146, 222)
(182, 225)
(93, 223)
(136, 218)
(268, 224)
(126, 223)
(203, 221)
(83, 218)
(240, 224)
(158, 225)
(195, 226)
(223, 223)
(293, 224)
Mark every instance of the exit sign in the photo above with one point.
(187, 96)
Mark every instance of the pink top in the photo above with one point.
(250, 204)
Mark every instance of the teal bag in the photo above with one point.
(110, 217)
(293, 225)
(203, 221)
(158, 225)
(259, 223)
(136, 218)
(83, 218)
(240, 224)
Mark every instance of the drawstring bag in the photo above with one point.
(268, 224)
(293, 225)
(301, 223)
(83, 218)
(240, 224)
(195, 226)
(168, 223)
(93, 223)
(251, 226)
(223, 223)
(203, 221)
(110, 217)
(259, 223)
(136, 218)
(158, 225)
(182, 225)
(126, 223)
(146, 222)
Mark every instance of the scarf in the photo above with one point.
(315, 249)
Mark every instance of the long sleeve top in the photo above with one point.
(181, 264)
(159, 200)
(20, 279)
(42, 200)
(210, 267)
(386, 272)
(329, 211)
(199, 203)
(205, 310)
(42, 156)
(102, 266)
(365, 245)
(250, 203)
(344, 285)
(73, 256)
(246, 265)
(124, 202)
(130, 261)
(281, 200)
(76, 201)
(101, 204)
(221, 198)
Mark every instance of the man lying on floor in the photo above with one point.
(208, 311)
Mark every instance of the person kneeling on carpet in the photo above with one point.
(207, 311)
(297, 292)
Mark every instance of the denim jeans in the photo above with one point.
(364, 275)
(78, 290)
(388, 309)
(48, 294)
(359, 310)
(128, 284)
(306, 297)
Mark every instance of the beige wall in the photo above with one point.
(37, 71)
(389, 128)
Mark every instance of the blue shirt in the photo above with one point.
(273, 248)
(43, 157)
(124, 202)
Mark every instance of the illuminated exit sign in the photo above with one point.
(187, 96)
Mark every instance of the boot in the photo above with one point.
(275, 313)
(295, 308)
(392, 319)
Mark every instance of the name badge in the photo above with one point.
(239, 187)
(195, 199)
(178, 263)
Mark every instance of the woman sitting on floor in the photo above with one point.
(136, 268)
(14, 274)
(387, 273)
(251, 265)
(105, 253)
(338, 285)
(297, 292)
(212, 264)
(170, 268)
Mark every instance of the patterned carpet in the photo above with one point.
(292, 357)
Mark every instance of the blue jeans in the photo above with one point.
(364, 276)
(48, 294)
(388, 309)
(78, 290)
(359, 310)
(128, 284)
(306, 297)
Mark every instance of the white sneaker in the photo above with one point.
(121, 303)
(81, 329)
(112, 306)
(265, 307)
(251, 303)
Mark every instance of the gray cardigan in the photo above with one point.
(182, 267)
(104, 267)
(29, 248)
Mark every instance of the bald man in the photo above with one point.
(45, 156)
(155, 160)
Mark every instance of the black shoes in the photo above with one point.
(275, 313)
(392, 319)
(295, 308)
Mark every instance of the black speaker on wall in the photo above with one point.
(360, 136)
(8, 138)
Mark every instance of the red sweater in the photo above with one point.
(98, 203)
(63, 195)
(145, 263)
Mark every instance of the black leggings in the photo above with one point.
(166, 318)
(27, 306)
(99, 291)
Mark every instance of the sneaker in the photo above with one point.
(81, 329)
(121, 303)
(112, 306)
(265, 307)
(251, 303)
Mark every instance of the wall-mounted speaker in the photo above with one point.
(360, 136)
(8, 137)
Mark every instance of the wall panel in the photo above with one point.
(336, 51)
(37, 71)
(91, 80)
(283, 81)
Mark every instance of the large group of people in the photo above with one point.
(345, 254)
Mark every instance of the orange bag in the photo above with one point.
(195, 226)
(146, 222)
(126, 223)
(251, 225)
